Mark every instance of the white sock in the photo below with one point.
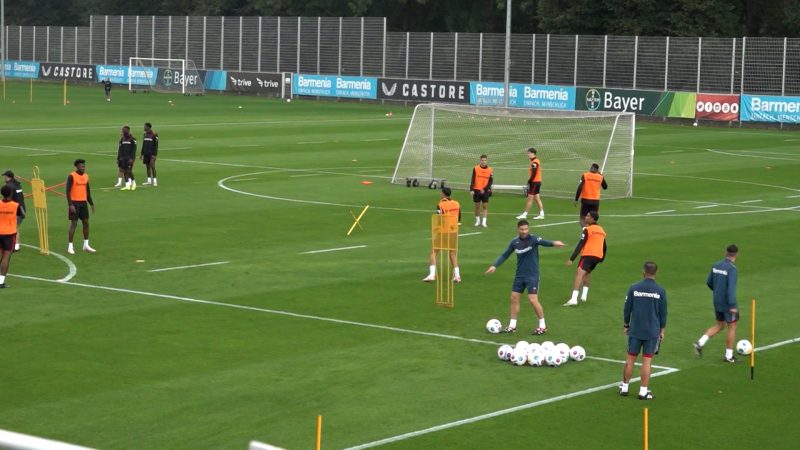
(729, 353)
(119, 180)
(574, 297)
(155, 181)
(2, 279)
(642, 390)
(484, 221)
(85, 242)
(149, 179)
(624, 386)
(128, 183)
(541, 323)
(69, 245)
(584, 293)
(432, 270)
(456, 272)
(16, 246)
(512, 323)
(702, 341)
(541, 213)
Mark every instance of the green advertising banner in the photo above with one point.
(650, 103)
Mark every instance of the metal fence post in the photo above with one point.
(61, 57)
(258, 59)
(361, 54)
(204, 41)
(297, 63)
(547, 62)
(76, 45)
(20, 43)
(136, 44)
(339, 71)
(383, 64)
(278, 48)
(240, 42)
(408, 44)
(533, 59)
(91, 28)
(733, 62)
(666, 66)
(47, 44)
(575, 64)
(105, 41)
(430, 59)
(741, 73)
(480, 57)
(153, 38)
(34, 43)
(319, 27)
(121, 36)
(699, 60)
(186, 41)
(605, 58)
(455, 59)
(635, 58)
(783, 74)
(222, 44)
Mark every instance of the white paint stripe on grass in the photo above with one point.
(244, 179)
(217, 263)
(793, 196)
(72, 269)
(705, 206)
(537, 225)
(778, 344)
(494, 414)
(660, 212)
(305, 175)
(470, 234)
(42, 154)
(751, 201)
(332, 250)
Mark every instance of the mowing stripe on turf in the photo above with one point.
(501, 412)
(332, 250)
(189, 266)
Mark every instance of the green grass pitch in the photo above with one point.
(256, 346)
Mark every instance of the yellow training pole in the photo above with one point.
(753, 338)
(646, 437)
(40, 208)
(65, 92)
(357, 220)
(319, 432)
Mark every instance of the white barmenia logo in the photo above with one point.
(646, 294)
(719, 271)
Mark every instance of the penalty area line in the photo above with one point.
(458, 423)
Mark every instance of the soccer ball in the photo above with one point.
(533, 346)
(504, 352)
(554, 358)
(564, 350)
(519, 357)
(744, 347)
(577, 353)
(548, 345)
(523, 345)
(536, 357)
(493, 326)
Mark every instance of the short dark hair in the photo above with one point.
(126, 128)
(148, 125)
(532, 150)
(483, 156)
(6, 191)
(79, 161)
(732, 250)
(446, 191)
(595, 167)
(594, 215)
(650, 268)
(522, 222)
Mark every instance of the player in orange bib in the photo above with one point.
(79, 199)
(534, 186)
(589, 191)
(481, 187)
(9, 212)
(592, 248)
(447, 207)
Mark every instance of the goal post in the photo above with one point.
(165, 75)
(444, 142)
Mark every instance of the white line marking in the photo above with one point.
(190, 266)
(536, 225)
(792, 196)
(778, 344)
(375, 140)
(470, 234)
(749, 156)
(305, 175)
(501, 412)
(751, 201)
(705, 206)
(72, 270)
(41, 154)
(244, 179)
(332, 249)
(660, 212)
(619, 361)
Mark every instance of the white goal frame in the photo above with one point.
(426, 173)
(182, 61)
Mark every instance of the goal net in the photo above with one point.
(165, 75)
(444, 143)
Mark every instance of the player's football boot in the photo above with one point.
(698, 349)
(648, 396)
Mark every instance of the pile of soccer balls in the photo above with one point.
(545, 354)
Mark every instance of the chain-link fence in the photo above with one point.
(361, 46)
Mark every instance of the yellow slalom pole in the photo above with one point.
(357, 220)
(65, 92)
(646, 437)
(753, 338)
(319, 432)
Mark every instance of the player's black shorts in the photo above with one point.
(477, 197)
(726, 316)
(7, 242)
(520, 283)
(146, 159)
(588, 263)
(123, 163)
(646, 346)
(534, 187)
(81, 211)
(589, 205)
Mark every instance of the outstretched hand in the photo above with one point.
(569, 263)
(491, 269)
(558, 244)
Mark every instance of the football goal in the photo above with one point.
(444, 142)
(164, 75)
